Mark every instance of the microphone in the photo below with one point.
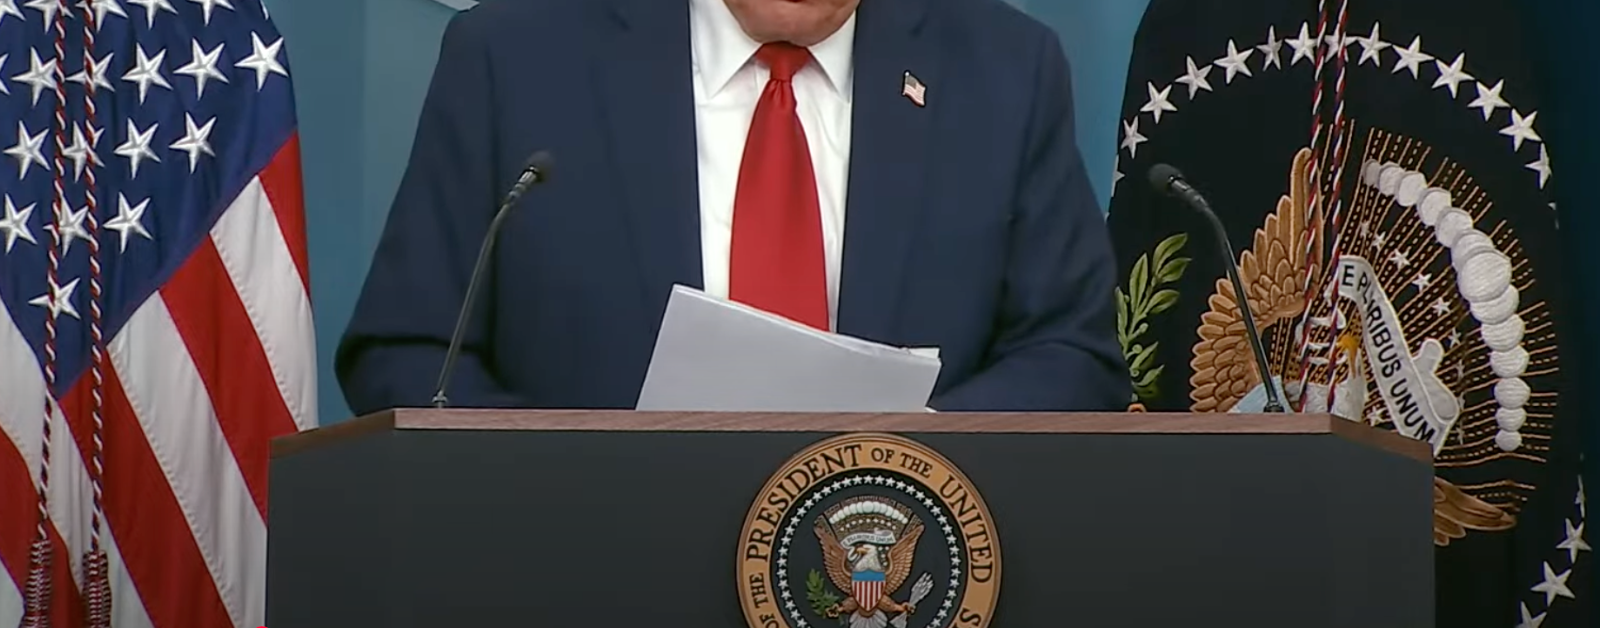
(1169, 181)
(536, 171)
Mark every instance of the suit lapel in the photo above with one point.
(646, 91)
(890, 135)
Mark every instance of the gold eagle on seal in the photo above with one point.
(1273, 271)
(873, 559)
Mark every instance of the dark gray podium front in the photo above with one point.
(468, 518)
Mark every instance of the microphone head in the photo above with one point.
(539, 165)
(1162, 176)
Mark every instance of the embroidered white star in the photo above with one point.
(1116, 169)
(129, 220)
(98, 70)
(1399, 259)
(71, 227)
(1372, 47)
(1452, 74)
(196, 141)
(1441, 308)
(15, 223)
(1160, 101)
(3, 58)
(147, 71)
(41, 75)
(103, 8)
(1542, 166)
(1554, 585)
(1529, 620)
(1422, 281)
(203, 67)
(28, 151)
(9, 7)
(1411, 58)
(210, 5)
(81, 152)
(1195, 77)
(151, 7)
(47, 8)
(1305, 46)
(1574, 542)
(58, 300)
(1489, 99)
(263, 59)
(137, 148)
(1335, 45)
(1131, 139)
(1235, 62)
(1581, 502)
(1521, 129)
(1272, 50)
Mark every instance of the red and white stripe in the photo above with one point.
(195, 385)
(10, 600)
(867, 592)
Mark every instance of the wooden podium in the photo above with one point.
(468, 518)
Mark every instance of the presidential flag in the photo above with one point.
(155, 328)
(1571, 65)
(1385, 176)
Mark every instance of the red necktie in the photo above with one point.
(776, 261)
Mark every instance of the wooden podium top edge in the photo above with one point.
(923, 423)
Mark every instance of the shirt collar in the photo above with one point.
(721, 47)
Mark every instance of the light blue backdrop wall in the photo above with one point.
(361, 68)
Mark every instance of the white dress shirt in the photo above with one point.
(728, 82)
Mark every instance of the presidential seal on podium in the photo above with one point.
(868, 531)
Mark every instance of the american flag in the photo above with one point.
(911, 87)
(153, 305)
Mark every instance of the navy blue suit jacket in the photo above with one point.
(970, 222)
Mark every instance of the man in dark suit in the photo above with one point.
(902, 171)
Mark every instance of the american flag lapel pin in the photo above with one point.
(912, 88)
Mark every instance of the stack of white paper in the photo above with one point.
(717, 355)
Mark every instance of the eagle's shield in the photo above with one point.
(866, 587)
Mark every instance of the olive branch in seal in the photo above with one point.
(1145, 298)
(819, 596)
